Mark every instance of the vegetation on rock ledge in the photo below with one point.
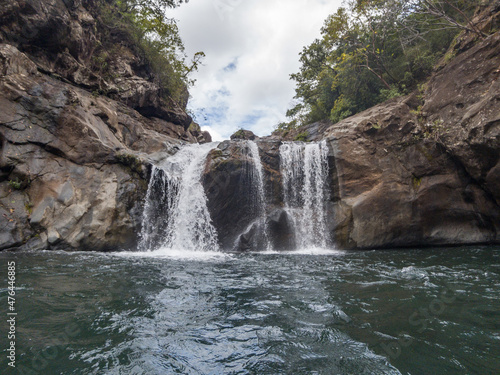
(144, 25)
(374, 50)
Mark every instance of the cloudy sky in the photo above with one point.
(251, 47)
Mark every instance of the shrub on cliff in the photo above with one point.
(144, 25)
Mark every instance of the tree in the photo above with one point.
(452, 13)
(372, 50)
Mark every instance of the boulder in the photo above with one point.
(244, 135)
(230, 185)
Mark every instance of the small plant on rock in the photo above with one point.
(301, 137)
(16, 185)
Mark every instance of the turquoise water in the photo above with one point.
(430, 311)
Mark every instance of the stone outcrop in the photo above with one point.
(229, 181)
(415, 172)
(72, 41)
(243, 134)
(76, 145)
(420, 170)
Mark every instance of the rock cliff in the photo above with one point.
(420, 170)
(425, 169)
(74, 142)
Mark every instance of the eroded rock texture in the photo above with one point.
(415, 171)
(424, 173)
(74, 162)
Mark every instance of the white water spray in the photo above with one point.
(255, 175)
(304, 169)
(175, 213)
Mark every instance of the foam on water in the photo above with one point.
(305, 251)
(164, 253)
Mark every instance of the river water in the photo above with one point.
(430, 311)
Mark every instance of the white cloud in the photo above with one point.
(251, 48)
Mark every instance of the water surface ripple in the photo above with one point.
(433, 311)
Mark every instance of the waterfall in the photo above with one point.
(255, 175)
(304, 171)
(159, 202)
(175, 212)
(176, 215)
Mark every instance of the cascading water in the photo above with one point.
(255, 176)
(175, 213)
(304, 170)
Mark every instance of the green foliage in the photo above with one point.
(416, 182)
(301, 137)
(371, 51)
(28, 206)
(392, 92)
(194, 127)
(284, 127)
(240, 133)
(216, 153)
(342, 108)
(144, 25)
(16, 185)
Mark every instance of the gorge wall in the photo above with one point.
(76, 146)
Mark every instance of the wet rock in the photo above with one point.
(228, 186)
(243, 135)
(74, 167)
(281, 230)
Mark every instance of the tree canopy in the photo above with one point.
(371, 51)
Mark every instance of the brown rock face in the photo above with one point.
(73, 166)
(412, 175)
(230, 185)
(71, 41)
(415, 171)
(463, 100)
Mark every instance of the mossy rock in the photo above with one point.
(243, 134)
(130, 161)
(302, 137)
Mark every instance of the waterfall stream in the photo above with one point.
(255, 175)
(175, 213)
(304, 171)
